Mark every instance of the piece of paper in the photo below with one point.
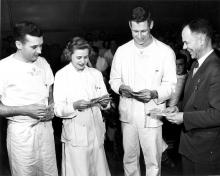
(157, 112)
(100, 99)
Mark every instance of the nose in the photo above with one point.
(38, 49)
(82, 61)
(184, 46)
(139, 35)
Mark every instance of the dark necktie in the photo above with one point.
(196, 65)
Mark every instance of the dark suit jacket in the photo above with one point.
(200, 137)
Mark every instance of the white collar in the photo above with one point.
(203, 58)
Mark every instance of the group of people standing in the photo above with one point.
(143, 74)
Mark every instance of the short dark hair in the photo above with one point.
(140, 14)
(23, 28)
(74, 44)
(201, 26)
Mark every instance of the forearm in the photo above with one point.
(8, 111)
(65, 110)
(164, 93)
(50, 98)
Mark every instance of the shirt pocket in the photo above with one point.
(74, 133)
(156, 77)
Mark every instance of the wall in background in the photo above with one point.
(62, 19)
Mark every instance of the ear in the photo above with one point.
(18, 44)
(202, 39)
(151, 24)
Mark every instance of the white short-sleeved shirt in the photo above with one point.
(24, 83)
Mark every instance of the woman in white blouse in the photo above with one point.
(83, 127)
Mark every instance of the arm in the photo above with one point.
(62, 107)
(169, 79)
(210, 116)
(35, 111)
(50, 98)
(115, 75)
(105, 104)
(50, 108)
(175, 97)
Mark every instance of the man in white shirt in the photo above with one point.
(26, 101)
(144, 74)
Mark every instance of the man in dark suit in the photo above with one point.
(200, 136)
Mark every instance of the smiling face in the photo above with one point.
(80, 58)
(191, 42)
(141, 33)
(30, 48)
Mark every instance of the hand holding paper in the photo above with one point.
(125, 91)
(49, 115)
(143, 96)
(103, 100)
(80, 105)
(176, 118)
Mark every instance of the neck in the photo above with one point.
(205, 50)
(18, 55)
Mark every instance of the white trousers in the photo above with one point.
(84, 161)
(31, 150)
(152, 146)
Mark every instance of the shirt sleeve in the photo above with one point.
(1, 82)
(49, 74)
(169, 79)
(115, 74)
(62, 107)
(175, 97)
(103, 90)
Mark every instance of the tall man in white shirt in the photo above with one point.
(143, 73)
(26, 101)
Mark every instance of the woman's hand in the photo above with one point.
(81, 105)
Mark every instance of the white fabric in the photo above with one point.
(29, 148)
(70, 86)
(158, 66)
(151, 68)
(85, 161)
(181, 79)
(152, 147)
(201, 60)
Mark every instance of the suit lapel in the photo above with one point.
(188, 86)
(193, 81)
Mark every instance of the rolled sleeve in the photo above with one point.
(62, 108)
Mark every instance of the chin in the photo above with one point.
(81, 68)
(34, 59)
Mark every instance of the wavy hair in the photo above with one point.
(76, 43)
